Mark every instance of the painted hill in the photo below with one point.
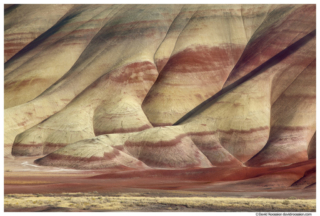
(162, 86)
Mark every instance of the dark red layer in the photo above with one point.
(207, 174)
(274, 39)
(203, 58)
(155, 144)
(231, 131)
(51, 147)
(19, 149)
(98, 132)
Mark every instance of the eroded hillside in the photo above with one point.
(148, 87)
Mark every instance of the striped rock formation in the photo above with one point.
(293, 123)
(284, 25)
(48, 58)
(199, 64)
(163, 147)
(97, 153)
(168, 87)
(203, 58)
(239, 121)
(65, 41)
(114, 94)
(25, 23)
(94, 112)
(166, 48)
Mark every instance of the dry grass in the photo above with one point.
(128, 202)
(10, 182)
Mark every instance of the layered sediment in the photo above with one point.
(166, 87)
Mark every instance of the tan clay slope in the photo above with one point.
(162, 147)
(24, 23)
(255, 64)
(204, 54)
(50, 56)
(71, 37)
(99, 153)
(229, 132)
(209, 47)
(240, 119)
(284, 25)
(112, 103)
(166, 48)
(293, 122)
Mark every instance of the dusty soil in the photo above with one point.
(29, 187)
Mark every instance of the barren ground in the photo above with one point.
(32, 188)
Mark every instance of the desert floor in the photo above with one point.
(33, 188)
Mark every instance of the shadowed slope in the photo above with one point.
(53, 55)
(24, 23)
(293, 123)
(283, 26)
(200, 63)
(268, 64)
(312, 147)
(166, 48)
(238, 120)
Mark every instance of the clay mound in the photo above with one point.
(95, 153)
(118, 111)
(166, 147)
(209, 144)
